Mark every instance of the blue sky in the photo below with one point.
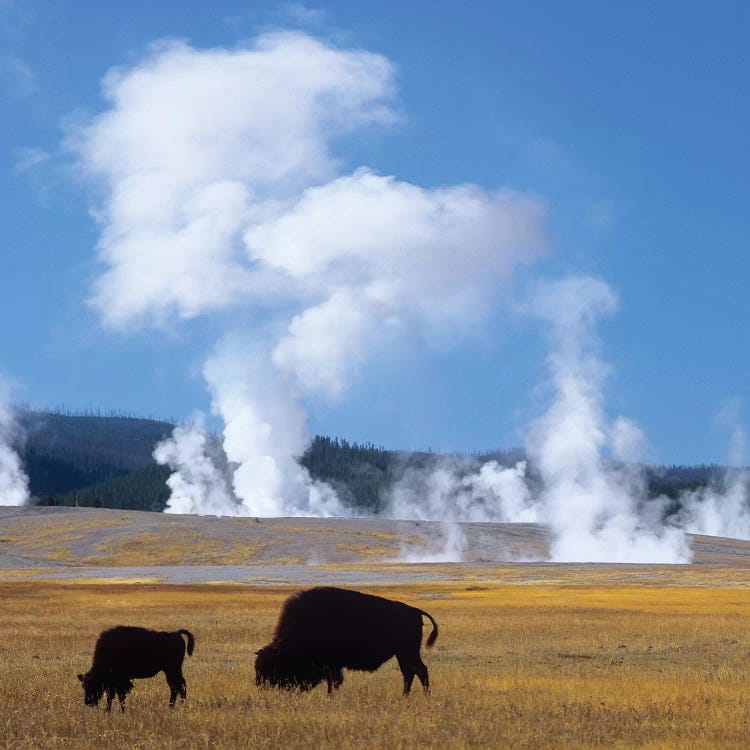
(629, 121)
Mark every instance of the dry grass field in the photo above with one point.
(579, 661)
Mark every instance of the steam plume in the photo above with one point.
(221, 189)
(14, 484)
(198, 484)
(591, 505)
(264, 435)
(582, 490)
(449, 492)
(723, 508)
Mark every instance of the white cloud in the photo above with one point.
(365, 226)
(194, 145)
(220, 186)
(385, 255)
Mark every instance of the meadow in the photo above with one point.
(574, 662)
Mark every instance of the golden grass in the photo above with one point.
(23, 573)
(367, 551)
(53, 537)
(173, 547)
(359, 533)
(564, 665)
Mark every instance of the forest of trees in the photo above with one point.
(105, 461)
(66, 452)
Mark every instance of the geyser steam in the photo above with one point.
(14, 484)
(587, 486)
(199, 482)
(723, 508)
(591, 505)
(222, 191)
(582, 490)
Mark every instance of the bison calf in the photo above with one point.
(126, 653)
(324, 630)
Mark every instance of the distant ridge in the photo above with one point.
(64, 452)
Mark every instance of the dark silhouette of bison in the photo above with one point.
(324, 630)
(125, 653)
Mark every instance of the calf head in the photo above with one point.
(93, 688)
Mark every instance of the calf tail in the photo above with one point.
(434, 633)
(191, 641)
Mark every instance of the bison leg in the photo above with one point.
(407, 670)
(424, 675)
(338, 678)
(110, 696)
(122, 691)
(334, 678)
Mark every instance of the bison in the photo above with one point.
(125, 653)
(324, 630)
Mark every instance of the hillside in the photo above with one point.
(66, 452)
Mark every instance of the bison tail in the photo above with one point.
(190, 639)
(434, 633)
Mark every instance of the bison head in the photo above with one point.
(93, 688)
(276, 666)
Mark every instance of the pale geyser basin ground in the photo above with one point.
(72, 543)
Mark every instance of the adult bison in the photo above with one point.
(324, 630)
(126, 653)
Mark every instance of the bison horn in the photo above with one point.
(80, 677)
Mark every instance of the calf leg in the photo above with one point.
(176, 686)
(122, 686)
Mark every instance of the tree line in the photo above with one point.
(360, 473)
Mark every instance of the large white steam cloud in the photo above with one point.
(14, 484)
(220, 188)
